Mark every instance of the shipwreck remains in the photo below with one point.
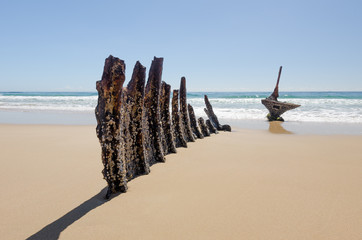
(211, 127)
(183, 112)
(275, 107)
(131, 125)
(152, 118)
(108, 117)
(134, 125)
(169, 138)
(194, 126)
(204, 129)
(213, 118)
(180, 139)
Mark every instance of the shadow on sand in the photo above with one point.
(52, 231)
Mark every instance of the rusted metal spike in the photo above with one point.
(213, 118)
(108, 123)
(194, 126)
(204, 129)
(184, 114)
(169, 138)
(178, 127)
(131, 124)
(152, 119)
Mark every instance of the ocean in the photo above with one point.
(236, 107)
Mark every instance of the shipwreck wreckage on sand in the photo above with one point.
(275, 107)
(135, 126)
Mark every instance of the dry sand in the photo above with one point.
(247, 184)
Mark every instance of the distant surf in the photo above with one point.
(338, 107)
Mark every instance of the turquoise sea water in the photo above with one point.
(332, 107)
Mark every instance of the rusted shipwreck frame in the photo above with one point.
(214, 121)
(275, 107)
(134, 123)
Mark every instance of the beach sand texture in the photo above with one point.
(247, 184)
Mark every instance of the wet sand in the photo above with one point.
(87, 118)
(247, 184)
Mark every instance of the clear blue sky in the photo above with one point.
(217, 45)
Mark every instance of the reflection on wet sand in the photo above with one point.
(277, 128)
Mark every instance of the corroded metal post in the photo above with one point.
(183, 112)
(131, 124)
(169, 138)
(108, 124)
(211, 127)
(177, 123)
(152, 119)
(195, 128)
(205, 131)
(213, 118)
(275, 94)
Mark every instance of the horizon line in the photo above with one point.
(246, 91)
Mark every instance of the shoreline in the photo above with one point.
(88, 119)
(247, 184)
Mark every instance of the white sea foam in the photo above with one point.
(48, 103)
(312, 109)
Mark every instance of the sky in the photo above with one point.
(217, 45)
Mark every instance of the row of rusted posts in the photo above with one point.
(134, 124)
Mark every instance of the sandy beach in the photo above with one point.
(247, 184)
